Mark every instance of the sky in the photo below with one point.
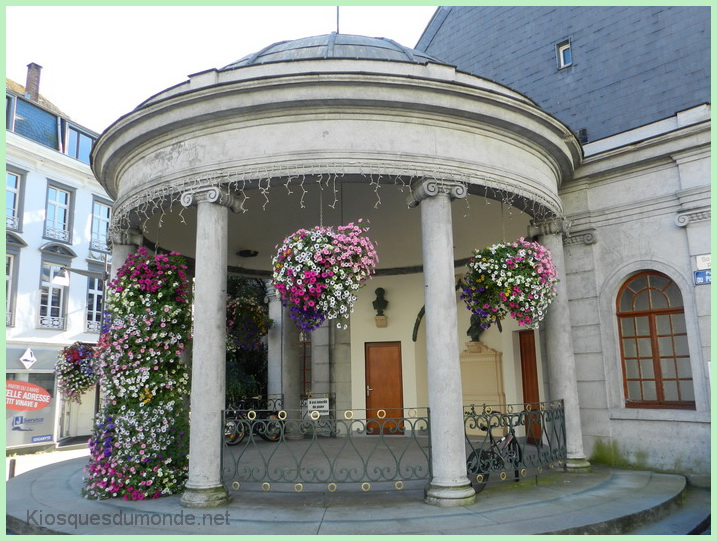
(100, 62)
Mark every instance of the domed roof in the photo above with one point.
(334, 46)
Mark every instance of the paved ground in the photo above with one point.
(605, 501)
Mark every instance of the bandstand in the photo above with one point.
(328, 130)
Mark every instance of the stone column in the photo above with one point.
(449, 485)
(273, 388)
(204, 487)
(558, 340)
(320, 361)
(340, 367)
(124, 243)
(291, 375)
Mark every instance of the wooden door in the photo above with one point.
(384, 388)
(531, 393)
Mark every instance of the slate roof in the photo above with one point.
(42, 101)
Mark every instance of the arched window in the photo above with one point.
(653, 343)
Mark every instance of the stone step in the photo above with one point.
(691, 516)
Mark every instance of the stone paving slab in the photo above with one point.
(560, 502)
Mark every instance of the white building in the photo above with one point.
(57, 217)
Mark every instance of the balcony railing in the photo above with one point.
(57, 234)
(50, 322)
(93, 326)
(99, 244)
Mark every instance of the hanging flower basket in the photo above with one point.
(516, 279)
(247, 322)
(75, 371)
(317, 272)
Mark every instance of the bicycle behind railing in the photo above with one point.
(513, 441)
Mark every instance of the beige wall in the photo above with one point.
(404, 294)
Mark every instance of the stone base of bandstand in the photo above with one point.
(454, 496)
(577, 465)
(205, 498)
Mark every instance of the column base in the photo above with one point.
(200, 498)
(577, 465)
(450, 496)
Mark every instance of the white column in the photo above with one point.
(449, 485)
(559, 345)
(204, 487)
(291, 375)
(320, 361)
(274, 337)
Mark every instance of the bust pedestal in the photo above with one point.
(482, 376)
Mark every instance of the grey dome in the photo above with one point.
(334, 46)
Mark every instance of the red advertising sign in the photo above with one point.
(24, 396)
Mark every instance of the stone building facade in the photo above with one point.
(633, 83)
(57, 217)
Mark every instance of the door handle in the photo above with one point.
(368, 390)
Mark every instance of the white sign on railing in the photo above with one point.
(318, 404)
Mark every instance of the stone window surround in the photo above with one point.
(613, 369)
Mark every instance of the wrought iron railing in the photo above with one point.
(366, 449)
(52, 322)
(57, 233)
(513, 441)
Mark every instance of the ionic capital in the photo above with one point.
(128, 237)
(430, 188)
(211, 194)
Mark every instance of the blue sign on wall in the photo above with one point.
(703, 277)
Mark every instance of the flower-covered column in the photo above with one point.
(449, 485)
(204, 487)
(558, 339)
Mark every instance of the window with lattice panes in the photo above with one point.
(12, 200)
(58, 213)
(95, 304)
(53, 291)
(653, 343)
(101, 215)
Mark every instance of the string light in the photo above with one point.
(130, 210)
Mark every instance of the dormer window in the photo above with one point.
(565, 54)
